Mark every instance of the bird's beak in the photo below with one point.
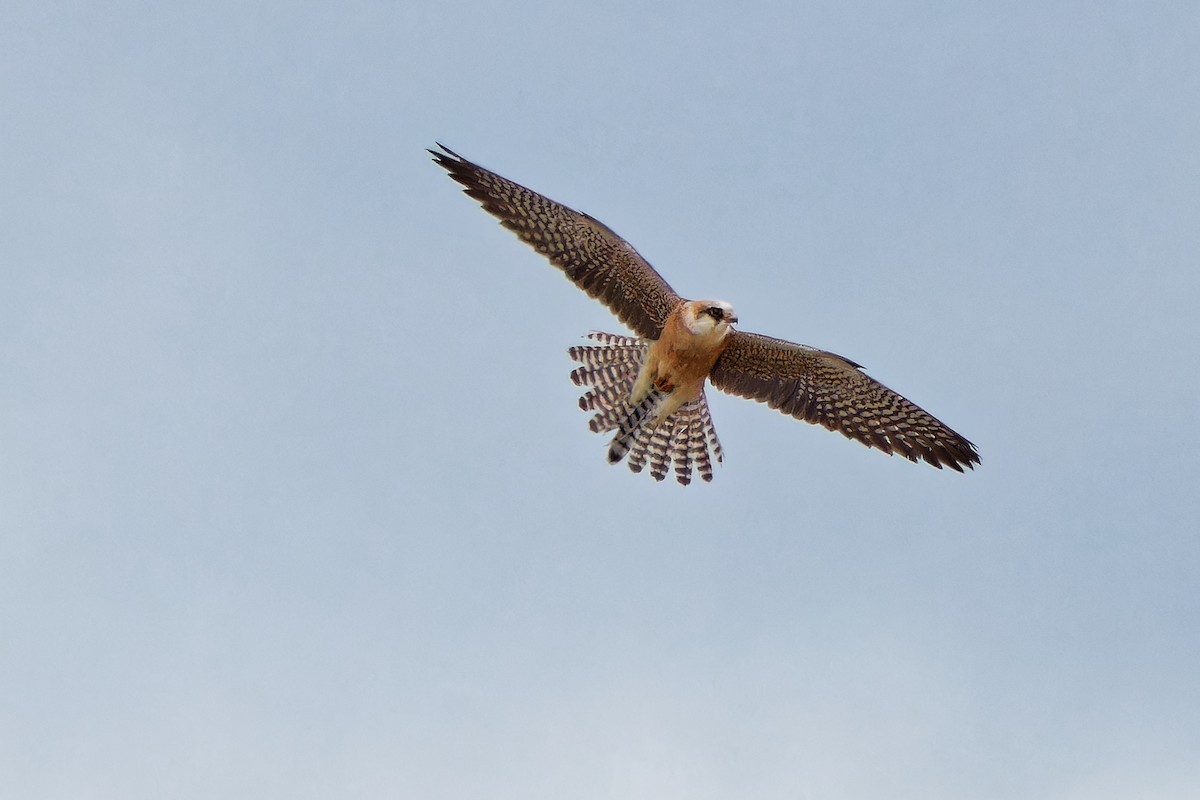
(732, 320)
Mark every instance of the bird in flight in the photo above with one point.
(649, 388)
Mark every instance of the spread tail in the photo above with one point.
(686, 438)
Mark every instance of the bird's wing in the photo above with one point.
(824, 388)
(599, 261)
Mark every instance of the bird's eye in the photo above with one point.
(716, 312)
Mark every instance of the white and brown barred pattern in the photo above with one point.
(686, 440)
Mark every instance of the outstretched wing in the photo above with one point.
(829, 390)
(601, 263)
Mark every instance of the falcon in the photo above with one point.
(648, 389)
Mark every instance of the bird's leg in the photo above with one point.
(669, 406)
(647, 377)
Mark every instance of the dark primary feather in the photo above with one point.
(599, 261)
(832, 391)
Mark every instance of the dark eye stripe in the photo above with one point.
(716, 312)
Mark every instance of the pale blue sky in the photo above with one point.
(295, 499)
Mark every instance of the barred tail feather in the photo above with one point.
(610, 369)
(630, 426)
(686, 440)
(683, 454)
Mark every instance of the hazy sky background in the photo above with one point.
(296, 502)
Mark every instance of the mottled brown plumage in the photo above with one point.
(650, 390)
(830, 390)
(601, 263)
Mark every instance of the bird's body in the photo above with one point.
(682, 357)
(650, 389)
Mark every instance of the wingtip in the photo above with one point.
(445, 152)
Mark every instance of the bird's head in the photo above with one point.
(709, 317)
